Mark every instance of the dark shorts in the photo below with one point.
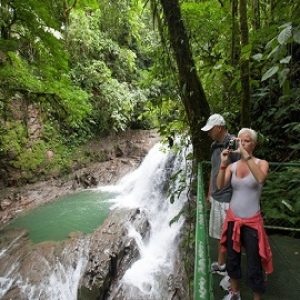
(255, 273)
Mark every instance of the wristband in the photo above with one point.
(223, 167)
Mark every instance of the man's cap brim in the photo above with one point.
(207, 127)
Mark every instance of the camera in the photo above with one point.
(233, 144)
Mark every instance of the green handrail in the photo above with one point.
(202, 276)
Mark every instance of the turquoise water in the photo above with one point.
(83, 211)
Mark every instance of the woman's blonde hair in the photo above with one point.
(251, 132)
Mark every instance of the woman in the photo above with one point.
(244, 223)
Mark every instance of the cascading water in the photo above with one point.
(41, 273)
(151, 188)
(159, 189)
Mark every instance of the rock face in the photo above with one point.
(124, 153)
(111, 253)
(82, 267)
(89, 263)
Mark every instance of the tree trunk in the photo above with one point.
(235, 41)
(272, 10)
(67, 11)
(244, 66)
(256, 14)
(192, 93)
(6, 15)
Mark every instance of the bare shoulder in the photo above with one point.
(229, 168)
(263, 164)
(263, 161)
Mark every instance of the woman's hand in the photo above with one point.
(225, 157)
(243, 152)
(224, 171)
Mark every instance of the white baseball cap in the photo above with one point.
(213, 120)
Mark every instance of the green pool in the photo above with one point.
(83, 211)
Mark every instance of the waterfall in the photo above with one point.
(151, 188)
(36, 274)
(52, 270)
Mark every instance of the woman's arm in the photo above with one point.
(260, 170)
(224, 171)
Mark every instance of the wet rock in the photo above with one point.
(34, 271)
(85, 180)
(5, 217)
(111, 252)
(118, 151)
(5, 204)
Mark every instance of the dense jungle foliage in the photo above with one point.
(91, 67)
(86, 68)
(74, 70)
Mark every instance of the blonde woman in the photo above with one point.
(243, 225)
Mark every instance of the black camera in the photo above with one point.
(233, 144)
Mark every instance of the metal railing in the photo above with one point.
(202, 276)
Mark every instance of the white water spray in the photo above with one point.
(145, 189)
(58, 279)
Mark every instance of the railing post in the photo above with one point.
(202, 276)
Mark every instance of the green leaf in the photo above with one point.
(284, 35)
(282, 75)
(270, 43)
(287, 204)
(270, 73)
(296, 36)
(274, 51)
(296, 146)
(285, 25)
(218, 66)
(286, 60)
(257, 56)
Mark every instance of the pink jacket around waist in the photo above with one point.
(255, 222)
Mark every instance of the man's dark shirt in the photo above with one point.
(224, 194)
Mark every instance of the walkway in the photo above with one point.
(284, 282)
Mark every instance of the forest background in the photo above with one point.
(75, 70)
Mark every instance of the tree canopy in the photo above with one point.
(87, 68)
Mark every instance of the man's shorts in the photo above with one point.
(217, 217)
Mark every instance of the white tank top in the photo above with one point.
(246, 193)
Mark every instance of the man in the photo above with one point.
(218, 199)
